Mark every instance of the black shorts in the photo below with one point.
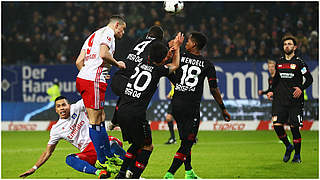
(187, 117)
(118, 83)
(169, 110)
(134, 128)
(290, 115)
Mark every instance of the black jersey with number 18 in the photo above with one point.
(189, 78)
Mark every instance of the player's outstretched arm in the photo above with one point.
(217, 96)
(80, 59)
(43, 158)
(176, 57)
(107, 58)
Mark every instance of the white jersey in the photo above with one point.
(75, 129)
(93, 63)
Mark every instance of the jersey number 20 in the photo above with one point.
(138, 76)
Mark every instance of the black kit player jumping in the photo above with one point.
(131, 112)
(287, 91)
(188, 80)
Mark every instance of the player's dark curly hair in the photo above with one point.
(289, 37)
(59, 98)
(157, 52)
(200, 39)
(156, 32)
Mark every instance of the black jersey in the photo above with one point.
(189, 78)
(136, 55)
(289, 74)
(141, 87)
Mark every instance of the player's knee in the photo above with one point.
(185, 147)
(148, 147)
(70, 159)
(103, 116)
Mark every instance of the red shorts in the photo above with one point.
(93, 93)
(88, 154)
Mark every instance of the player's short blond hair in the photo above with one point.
(270, 61)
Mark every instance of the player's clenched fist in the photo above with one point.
(121, 65)
(226, 115)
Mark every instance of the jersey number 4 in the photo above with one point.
(90, 43)
(141, 46)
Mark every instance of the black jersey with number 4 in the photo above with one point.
(289, 74)
(189, 78)
(136, 55)
(141, 86)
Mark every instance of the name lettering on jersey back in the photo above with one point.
(134, 58)
(146, 67)
(195, 62)
(75, 129)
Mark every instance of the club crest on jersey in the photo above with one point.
(303, 70)
(293, 66)
(74, 115)
(109, 38)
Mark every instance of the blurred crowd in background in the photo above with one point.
(54, 32)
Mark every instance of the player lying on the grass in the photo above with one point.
(73, 127)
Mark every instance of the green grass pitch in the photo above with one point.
(217, 155)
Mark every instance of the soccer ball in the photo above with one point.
(173, 6)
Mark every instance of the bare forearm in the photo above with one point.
(175, 60)
(43, 158)
(80, 60)
(217, 96)
(108, 59)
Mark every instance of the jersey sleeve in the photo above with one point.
(80, 105)
(85, 45)
(212, 77)
(54, 137)
(306, 73)
(106, 38)
(163, 70)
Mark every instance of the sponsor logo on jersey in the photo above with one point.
(293, 66)
(101, 103)
(304, 70)
(74, 115)
(286, 75)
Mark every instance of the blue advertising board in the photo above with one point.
(236, 80)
